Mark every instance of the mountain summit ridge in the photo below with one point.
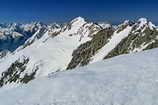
(55, 48)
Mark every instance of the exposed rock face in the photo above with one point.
(13, 73)
(82, 55)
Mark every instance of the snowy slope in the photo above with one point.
(51, 53)
(123, 80)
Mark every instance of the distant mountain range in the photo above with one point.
(28, 51)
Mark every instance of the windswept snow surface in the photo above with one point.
(123, 80)
(113, 42)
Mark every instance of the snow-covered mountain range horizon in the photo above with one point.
(75, 63)
(29, 51)
(26, 30)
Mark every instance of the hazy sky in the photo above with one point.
(64, 10)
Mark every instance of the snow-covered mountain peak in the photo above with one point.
(78, 20)
(105, 25)
(126, 22)
(14, 35)
(142, 24)
(13, 26)
(32, 27)
(143, 20)
(151, 25)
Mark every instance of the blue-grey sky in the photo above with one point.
(64, 10)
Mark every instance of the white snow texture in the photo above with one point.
(123, 80)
